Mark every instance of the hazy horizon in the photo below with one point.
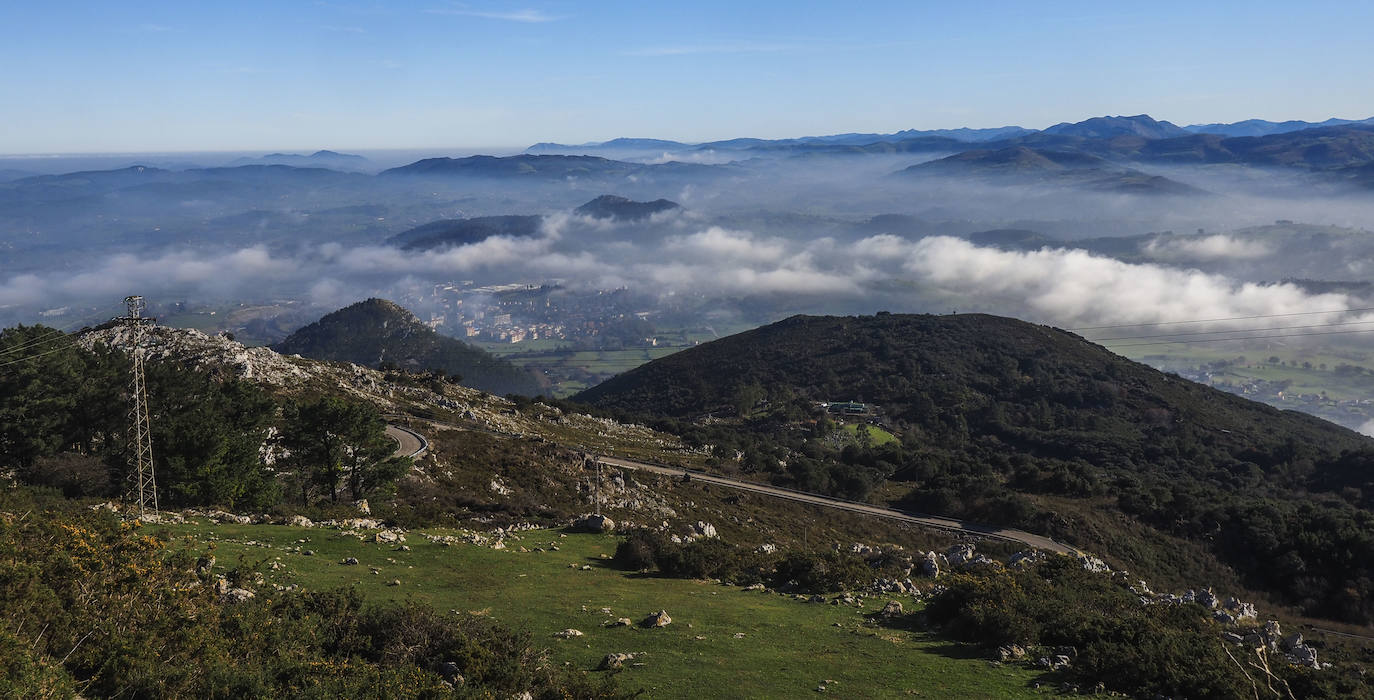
(169, 78)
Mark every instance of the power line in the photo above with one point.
(1246, 337)
(1218, 320)
(49, 335)
(33, 341)
(1231, 330)
(33, 357)
(57, 337)
(143, 491)
(37, 345)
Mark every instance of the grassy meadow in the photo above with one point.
(723, 641)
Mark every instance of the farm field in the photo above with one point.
(877, 436)
(1331, 382)
(571, 371)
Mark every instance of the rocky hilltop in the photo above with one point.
(378, 332)
(214, 353)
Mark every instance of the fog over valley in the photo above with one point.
(826, 232)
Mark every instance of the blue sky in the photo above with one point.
(250, 75)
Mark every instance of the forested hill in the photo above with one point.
(976, 375)
(1001, 420)
(378, 332)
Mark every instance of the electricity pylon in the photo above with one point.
(143, 491)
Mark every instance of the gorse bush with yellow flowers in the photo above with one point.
(91, 605)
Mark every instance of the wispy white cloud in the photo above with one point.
(687, 50)
(528, 16)
(154, 28)
(1203, 249)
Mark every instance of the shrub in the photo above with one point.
(638, 550)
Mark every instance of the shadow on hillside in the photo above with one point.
(966, 652)
(599, 563)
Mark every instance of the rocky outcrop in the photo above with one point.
(930, 565)
(594, 523)
(215, 353)
(658, 619)
(237, 595)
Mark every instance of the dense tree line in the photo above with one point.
(64, 417)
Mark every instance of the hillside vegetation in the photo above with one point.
(98, 607)
(994, 414)
(377, 332)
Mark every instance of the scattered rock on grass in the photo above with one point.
(614, 661)
(658, 619)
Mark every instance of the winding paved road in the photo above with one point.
(946, 524)
(402, 434)
(408, 442)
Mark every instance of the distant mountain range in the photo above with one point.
(377, 331)
(544, 167)
(1260, 127)
(1105, 127)
(1023, 165)
(854, 139)
(1141, 125)
(318, 159)
(1340, 152)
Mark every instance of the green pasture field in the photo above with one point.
(723, 642)
(876, 435)
(1305, 380)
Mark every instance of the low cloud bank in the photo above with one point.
(1067, 287)
(1206, 249)
(1077, 288)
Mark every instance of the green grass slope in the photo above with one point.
(723, 641)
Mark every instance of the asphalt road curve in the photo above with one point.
(947, 524)
(408, 442)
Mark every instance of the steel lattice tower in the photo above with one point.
(143, 490)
